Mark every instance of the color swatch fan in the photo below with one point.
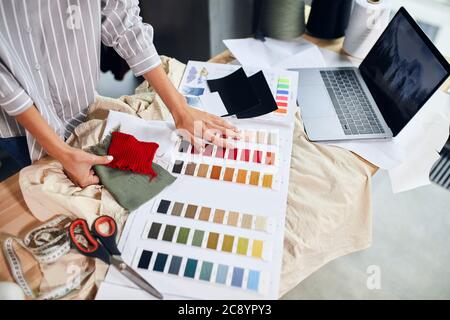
(217, 232)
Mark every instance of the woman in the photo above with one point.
(49, 68)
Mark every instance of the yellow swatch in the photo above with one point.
(267, 180)
(227, 244)
(242, 246)
(257, 248)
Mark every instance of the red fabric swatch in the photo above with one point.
(131, 154)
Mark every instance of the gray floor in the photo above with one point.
(411, 248)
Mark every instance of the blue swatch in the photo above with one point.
(205, 272)
(238, 275)
(222, 273)
(253, 280)
(283, 92)
(191, 266)
(160, 262)
(175, 264)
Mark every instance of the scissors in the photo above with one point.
(101, 244)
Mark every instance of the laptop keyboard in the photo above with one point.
(355, 113)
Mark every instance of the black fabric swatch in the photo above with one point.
(242, 96)
(262, 91)
(235, 91)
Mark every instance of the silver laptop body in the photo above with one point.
(336, 104)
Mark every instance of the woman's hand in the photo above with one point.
(193, 124)
(198, 127)
(78, 166)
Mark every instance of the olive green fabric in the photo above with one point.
(129, 189)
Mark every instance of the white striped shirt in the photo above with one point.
(50, 57)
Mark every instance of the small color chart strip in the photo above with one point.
(229, 174)
(260, 137)
(218, 216)
(206, 271)
(282, 95)
(208, 240)
(235, 154)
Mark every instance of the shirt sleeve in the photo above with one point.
(13, 98)
(123, 29)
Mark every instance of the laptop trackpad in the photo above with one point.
(314, 102)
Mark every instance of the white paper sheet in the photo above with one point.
(213, 104)
(423, 145)
(333, 59)
(112, 291)
(273, 53)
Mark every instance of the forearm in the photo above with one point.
(174, 101)
(33, 122)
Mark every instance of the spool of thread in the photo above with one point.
(282, 19)
(328, 19)
(368, 20)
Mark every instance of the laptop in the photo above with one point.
(375, 101)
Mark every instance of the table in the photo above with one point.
(15, 218)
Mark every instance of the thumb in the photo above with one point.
(102, 159)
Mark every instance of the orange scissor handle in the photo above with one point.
(107, 236)
(83, 240)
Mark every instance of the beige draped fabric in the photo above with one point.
(329, 205)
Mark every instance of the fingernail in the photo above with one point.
(110, 158)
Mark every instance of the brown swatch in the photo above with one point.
(219, 215)
(241, 176)
(215, 172)
(190, 169)
(204, 214)
(233, 218)
(254, 178)
(212, 240)
(267, 181)
(190, 211)
(228, 176)
(202, 170)
(177, 209)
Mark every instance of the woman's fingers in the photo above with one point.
(92, 179)
(215, 137)
(223, 123)
(199, 143)
(225, 132)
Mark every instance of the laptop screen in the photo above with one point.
(402, 70)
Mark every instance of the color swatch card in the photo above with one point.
(217, 232)
(283, 85)
(254, 160)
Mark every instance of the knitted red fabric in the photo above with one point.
(131, 154)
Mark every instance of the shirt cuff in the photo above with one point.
(144, 61)
(16, 102)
